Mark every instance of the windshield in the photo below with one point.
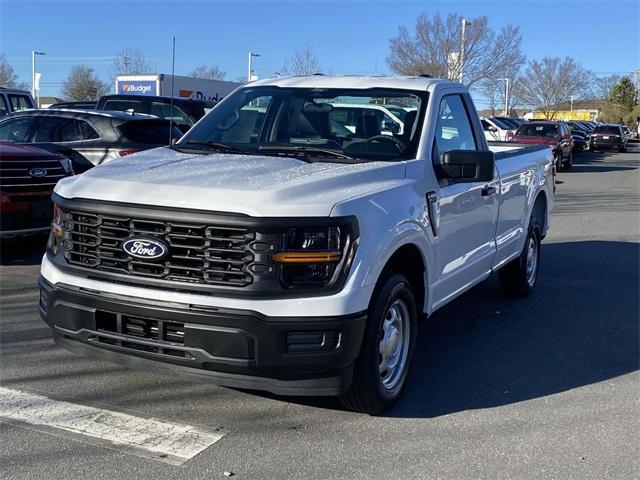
(501, 124)
(340, 124)
(510, 124)
(538, 130)
(607, 129)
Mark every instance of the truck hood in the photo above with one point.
(251, 185)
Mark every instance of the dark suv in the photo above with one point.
(186, 112)
(27, 178)
(608, 136)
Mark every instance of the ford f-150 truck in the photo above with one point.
(273, 248)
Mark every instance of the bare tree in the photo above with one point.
(131, 60)
(212, 72)
(8, 77)
(551, 81)
(83, 84)
(303, 62)
(435, 47)
(494, 90)
(602, 86)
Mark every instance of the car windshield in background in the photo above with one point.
(375, 124)
(502, 124)
(538, 130)
(507, 121)
(607, 130)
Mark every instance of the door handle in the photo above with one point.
(432, 211)
(488, 190)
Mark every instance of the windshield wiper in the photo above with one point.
(304, 149)
(220, 147)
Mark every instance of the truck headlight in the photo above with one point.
(66, 165)
(57, 229)
(315, 256)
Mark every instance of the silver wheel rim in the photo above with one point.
(394, 344)
(532, 261)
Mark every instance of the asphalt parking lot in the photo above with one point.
(545, 387)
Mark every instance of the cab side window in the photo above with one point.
(453, 128)
(19, 102)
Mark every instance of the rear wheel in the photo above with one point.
(518, 277)
(390, 336)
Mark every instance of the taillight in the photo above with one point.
(510, 135)
(124, 153)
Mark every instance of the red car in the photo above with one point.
(555, 134)
(27, 178)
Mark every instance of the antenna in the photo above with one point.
(173, 71)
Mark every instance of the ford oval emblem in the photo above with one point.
(38, 172)
(145, 248)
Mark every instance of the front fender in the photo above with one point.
(389, 220)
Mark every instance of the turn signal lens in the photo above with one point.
(306, 257)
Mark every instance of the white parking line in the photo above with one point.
(171, 442)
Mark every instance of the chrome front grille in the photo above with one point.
(15, 176)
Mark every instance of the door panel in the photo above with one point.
(467, 211)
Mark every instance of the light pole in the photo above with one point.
(571, 102)
(33, 72)
(465, 22)
(250, 68)
(506, 96)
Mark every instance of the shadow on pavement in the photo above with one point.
(578, 328)
(484, 350)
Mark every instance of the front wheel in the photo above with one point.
(518, 277)
(389, 341)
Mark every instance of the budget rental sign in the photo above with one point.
(137, 87)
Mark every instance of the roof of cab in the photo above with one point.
(420, 83)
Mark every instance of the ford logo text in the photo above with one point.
(38, 172)
(145, 248)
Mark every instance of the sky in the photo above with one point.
(349, 36)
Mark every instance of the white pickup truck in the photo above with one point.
(273, 248)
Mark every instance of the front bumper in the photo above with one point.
(25, 217)
(243, 349)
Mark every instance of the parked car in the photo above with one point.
(511, 121)
(608, 136)
(14, 100)
(578, 126)
(497, 130)
(552, 133)
(80, 105)
(627, 132)
(27, 178)
(270, 252)
(186, 112)
(579, 140)
(86, 137)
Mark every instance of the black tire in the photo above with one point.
(623, 149)
(517, 279)
(368, 393)
(567, 164)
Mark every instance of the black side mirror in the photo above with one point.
(468, 165)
